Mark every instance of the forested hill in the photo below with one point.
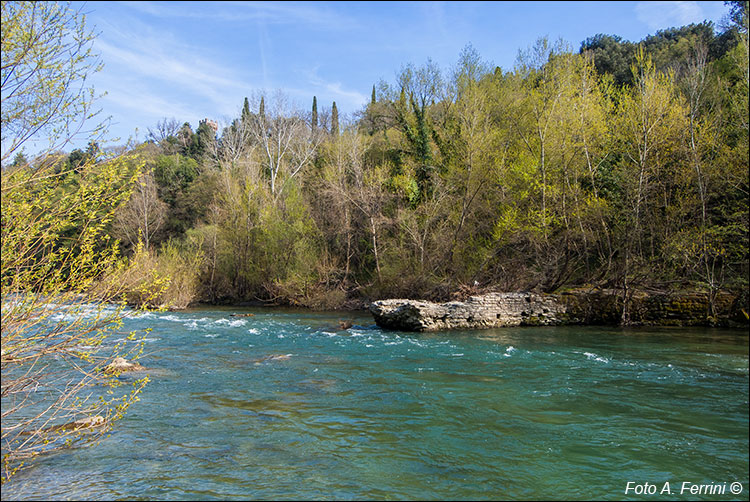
(621, 165)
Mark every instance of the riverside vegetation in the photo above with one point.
(621, 166)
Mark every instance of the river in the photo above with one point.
(286, 405)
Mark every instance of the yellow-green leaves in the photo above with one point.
(47, 54)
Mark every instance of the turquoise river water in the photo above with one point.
(364, 413)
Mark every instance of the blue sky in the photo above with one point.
(191, 60)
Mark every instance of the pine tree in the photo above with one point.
(334, 120)
(315, 114)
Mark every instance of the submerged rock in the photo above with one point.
(122, 365)
(95, 421)
(83, 423)
(488, 311)
(273, 357)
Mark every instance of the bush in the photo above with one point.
(164, 279)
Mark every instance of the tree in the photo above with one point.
(245, 111)
(419, 89)
(54, 325)
(701, 139)
(543, 67)
(19, 160)
(314, 119)
(471, 149)
(611, 55)
(650, 118)
(204, 139)
(54, 244)
(285, 143)
(334, 120)
(165, 134)
(143, 215)
(236, 143)
(185, 138)
(47, 55)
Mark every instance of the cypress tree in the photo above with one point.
(372, 101)
(246, 111)
(334, 120)
(262, 109)
(315, 114)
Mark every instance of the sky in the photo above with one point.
(195, 60)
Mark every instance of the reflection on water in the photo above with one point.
(288, 405)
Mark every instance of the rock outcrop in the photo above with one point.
(488, 311)
(581, 306)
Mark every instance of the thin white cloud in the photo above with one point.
(158, 64)
(353, 97)
(660, 15)
(335, 90)
(124, 95)
(181, 70)
(264, 45)
(269, 12)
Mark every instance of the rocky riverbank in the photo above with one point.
(571, 307)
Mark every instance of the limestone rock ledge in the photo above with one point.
(478, 312)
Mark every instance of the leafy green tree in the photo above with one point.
(204, 141)
(19, 160)
(420, 88)
(650, 119)
(543, 66)
(173, 174)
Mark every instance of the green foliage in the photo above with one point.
(174, 173)
(334, 120)
(246, 114)
(669, 49)
(53, 226)
(203, 141)
(314, 119)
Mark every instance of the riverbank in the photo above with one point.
(583, 306)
